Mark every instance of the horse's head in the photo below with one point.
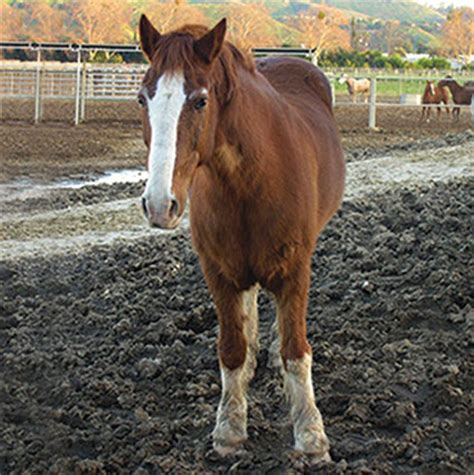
(430, 86)
(179, 113)
(342, 79)
(446, 82)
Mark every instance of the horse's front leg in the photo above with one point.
(237, 348)
(308, 427)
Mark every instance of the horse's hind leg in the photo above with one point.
(274, 356)
(237, 348)
(308, 427)
(250, 309)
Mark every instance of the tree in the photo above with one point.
(45, 23)
(250, 26)
(359, 39)
(458, 33)
(12, 23)
(169, 16)
(394, 38)
(101, 21)
(389, 36)
(321, 31)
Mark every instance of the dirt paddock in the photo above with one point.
(107, 331)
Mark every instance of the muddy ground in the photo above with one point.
(112, 137)
(107, 331)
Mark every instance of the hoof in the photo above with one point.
(228, 440)
(314, 443)
(315, 460)
(227, 450)
(320, 459)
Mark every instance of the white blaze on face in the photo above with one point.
(164, 110)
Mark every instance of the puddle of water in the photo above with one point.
(22, 189)
(108, 178)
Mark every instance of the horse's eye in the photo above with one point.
(200, 103)
(141, 101)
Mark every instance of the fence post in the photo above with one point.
(372, 103)
(78, 90)
(38, 87)
(333, 91)
(84, 91)
(472, 108)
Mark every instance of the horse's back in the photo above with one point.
(307, 92)
(294, 77)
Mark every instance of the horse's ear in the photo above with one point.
(149, 37)
(209, 46)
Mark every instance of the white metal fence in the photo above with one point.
(84, 83)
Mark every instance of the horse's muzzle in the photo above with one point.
(166, 215)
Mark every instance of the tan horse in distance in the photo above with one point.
(355, 87)
(256, 149)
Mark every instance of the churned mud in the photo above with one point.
(107, 331)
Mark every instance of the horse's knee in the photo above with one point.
(232, 347)
(294, 347)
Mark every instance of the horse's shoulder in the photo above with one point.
(295, 76)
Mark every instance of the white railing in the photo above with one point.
(83, 83)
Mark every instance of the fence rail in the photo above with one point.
(84, 82)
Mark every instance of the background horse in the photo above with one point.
(461, 94)
(356, 86)
(433, 94)
(258, 150)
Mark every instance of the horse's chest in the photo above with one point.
(246, 249)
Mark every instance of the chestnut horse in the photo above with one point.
(433, 94)
(461, 94)
(258, 152)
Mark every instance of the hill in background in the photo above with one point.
(419, 24)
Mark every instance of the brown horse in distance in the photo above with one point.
(256, 148)
(461, 94)
(433, 94)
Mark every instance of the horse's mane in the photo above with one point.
(175, 52)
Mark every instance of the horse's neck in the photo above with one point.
(241, 136)
(454, 87)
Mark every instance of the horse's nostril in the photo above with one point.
(174, 208)
(144, 207)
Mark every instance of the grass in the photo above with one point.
(394, 86)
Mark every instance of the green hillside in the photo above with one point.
(419, 24)
(215, 11)
(405, 11)
(284, 9)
